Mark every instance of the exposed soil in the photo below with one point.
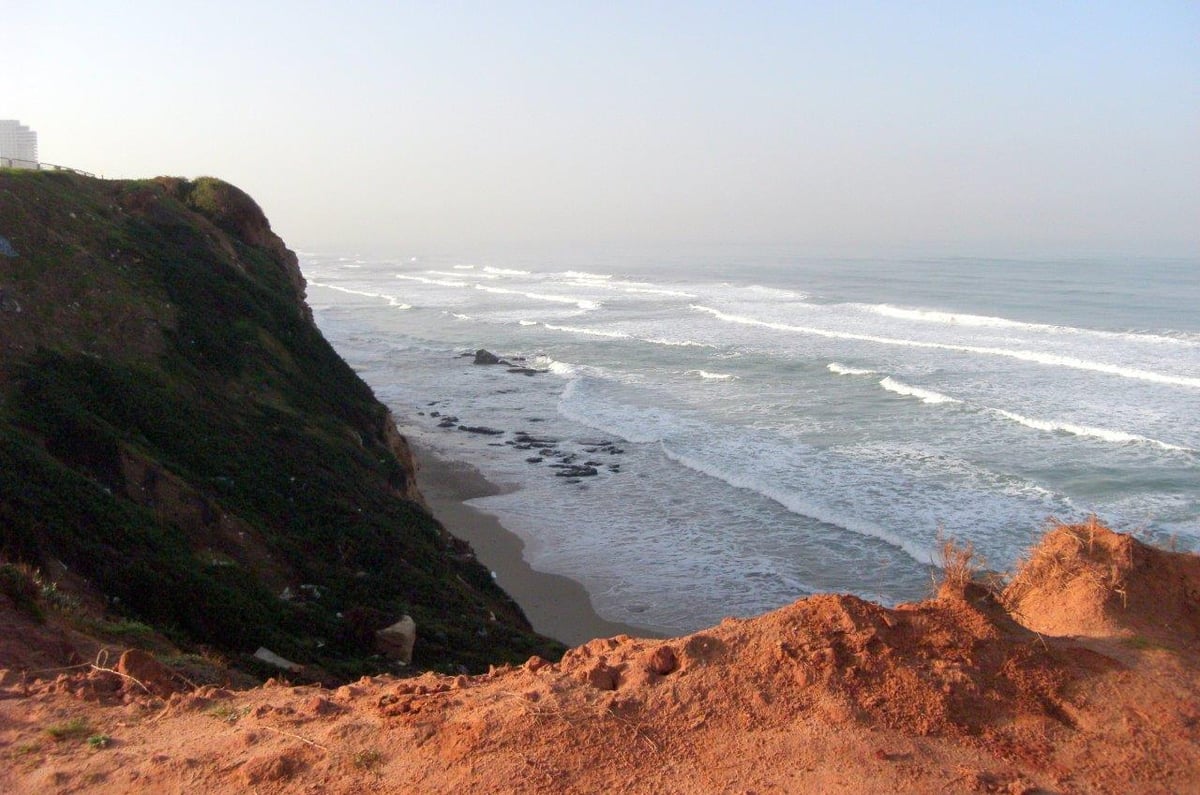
(828, 694)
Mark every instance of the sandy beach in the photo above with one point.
(557, 606)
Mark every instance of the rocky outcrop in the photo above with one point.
(396, 642)
(235, 212)
(400, 448)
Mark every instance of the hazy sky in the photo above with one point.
(835, 127)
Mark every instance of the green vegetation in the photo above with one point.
(227, 712)
(368, 759)
(175, 430)
(69, 730)
(19, 583)
(99, 741)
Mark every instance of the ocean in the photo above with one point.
(764, 427)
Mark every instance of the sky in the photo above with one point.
(830, 128)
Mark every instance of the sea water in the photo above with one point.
(764, 427)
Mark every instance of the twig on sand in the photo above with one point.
(296, 737)
(100, 665)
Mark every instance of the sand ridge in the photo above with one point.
(829, 694)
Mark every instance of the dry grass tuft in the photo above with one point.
(1076, 555)
(959, 563)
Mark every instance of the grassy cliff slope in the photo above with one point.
(179, 441)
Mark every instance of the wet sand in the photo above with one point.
(555, 605)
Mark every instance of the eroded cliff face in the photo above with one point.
(396, 442)
(178, 434)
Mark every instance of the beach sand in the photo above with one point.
(556, 606)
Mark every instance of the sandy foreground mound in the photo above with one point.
(828, 694)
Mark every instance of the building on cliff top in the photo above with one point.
(18, 145)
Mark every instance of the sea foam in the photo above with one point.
(582, 303)
(924, 395)
(620, 335)
(1120, 437)
(842, 369)
(1038, 357)
(793, 502)
(391, 299)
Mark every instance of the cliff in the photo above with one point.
(183, 453)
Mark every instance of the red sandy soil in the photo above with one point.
(830, 694)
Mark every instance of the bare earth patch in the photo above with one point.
(829, 694)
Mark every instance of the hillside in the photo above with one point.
(829, 694)
(186, 463)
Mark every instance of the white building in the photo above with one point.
(18, 145)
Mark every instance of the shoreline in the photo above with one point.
(556, 606)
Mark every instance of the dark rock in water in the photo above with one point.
(573, 480)
(534, 459)
(536, 419)
(524, 436)
(480, 429)
(448, 422)
(525, 370)
(435, 414)
(576, 472)
(486, 357)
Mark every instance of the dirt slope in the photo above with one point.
(828, 694)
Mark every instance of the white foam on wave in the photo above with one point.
(458, 316)
(707, 376)
(842, 369)
(528, 322)
(636, 426)
(797, 505)
(439, 282)
(464, 267)
(504, 271)
(957, 318)
(1037, 357)
(657, 291)
(636, 288)
(392, 300)
(564, 369)
(620, 335)
(775, 293)
(986, 321)
(925, 395)
(1120, 437)
(453, 275)
(585, 275)
(582, 303)
(677, 343)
